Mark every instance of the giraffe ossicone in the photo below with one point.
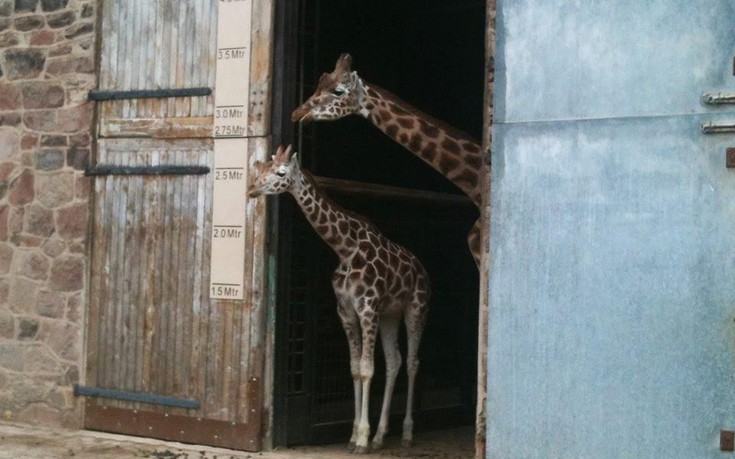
(449, 151)
(378, 285)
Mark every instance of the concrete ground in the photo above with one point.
(25, 442)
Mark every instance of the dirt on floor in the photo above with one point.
(26, 442)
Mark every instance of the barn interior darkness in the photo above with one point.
(430, 53)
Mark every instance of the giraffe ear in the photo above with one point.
(294, 160)
(344, 63)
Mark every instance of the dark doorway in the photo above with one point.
(431, 54)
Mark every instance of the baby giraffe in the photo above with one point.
(377, 283)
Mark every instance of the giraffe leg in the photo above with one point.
(389, 340)
(351, 326)
(415, 320)
(369, 325)
(474, 240)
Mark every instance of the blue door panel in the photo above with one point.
(572, 59)
(612, 290)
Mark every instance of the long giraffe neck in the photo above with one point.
(449, 151)
(332, 223)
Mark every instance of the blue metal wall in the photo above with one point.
(612, 285)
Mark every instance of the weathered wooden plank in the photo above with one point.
(261, 52)
(257, 330)
(162, 128)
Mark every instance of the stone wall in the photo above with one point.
(46, 69)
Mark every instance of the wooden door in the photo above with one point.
(163, 359)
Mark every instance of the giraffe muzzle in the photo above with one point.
(301, 114)
(254, 192)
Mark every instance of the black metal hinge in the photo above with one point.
(146, 170)
(130, 396)
(99, 95)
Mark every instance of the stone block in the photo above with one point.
(75, 119)
(78, 158)
(10, 98)
(7, 326)
(55, 189)
(43, 37)
(71, 376)
(63, 65)
(51, 305)
(84, 185)
(54, 247)
(33, 265)
(54, 140)
(80, 140)
(72, 221)
(6, 258)
(27, 329)
(78, 30)
(22, 296)
(40, 120)
(66, 18)
(60, 50)
(78, 248)
(4, 212)
(49, 160)
(39, 359)
(8, 39)
(23, 63)
(74, 309)
(40, 414)
(6, 7)
(53, 5)
(67, 273)
(26, 240)
(9, 143)
(25, 5)
(6, 170)
(11, 356)
(10, 119)
(4, 292)
(21, 191)
(26, 23)
(28, 141)
(39, 221)
(63, 338)
(41, 94)
(15, 220)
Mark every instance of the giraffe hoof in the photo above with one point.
(376, 445)
(360, 450)
(351, 446)
(406, 443)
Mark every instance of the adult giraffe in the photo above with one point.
(449, 151)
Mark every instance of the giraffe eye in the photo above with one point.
(338, 92)
(281, 173)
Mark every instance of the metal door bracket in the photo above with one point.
(712, 128)
(135, 397)
(718, 99)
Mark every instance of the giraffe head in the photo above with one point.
(338, 94)
(274, 176)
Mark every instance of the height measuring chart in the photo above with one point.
(230, 149)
